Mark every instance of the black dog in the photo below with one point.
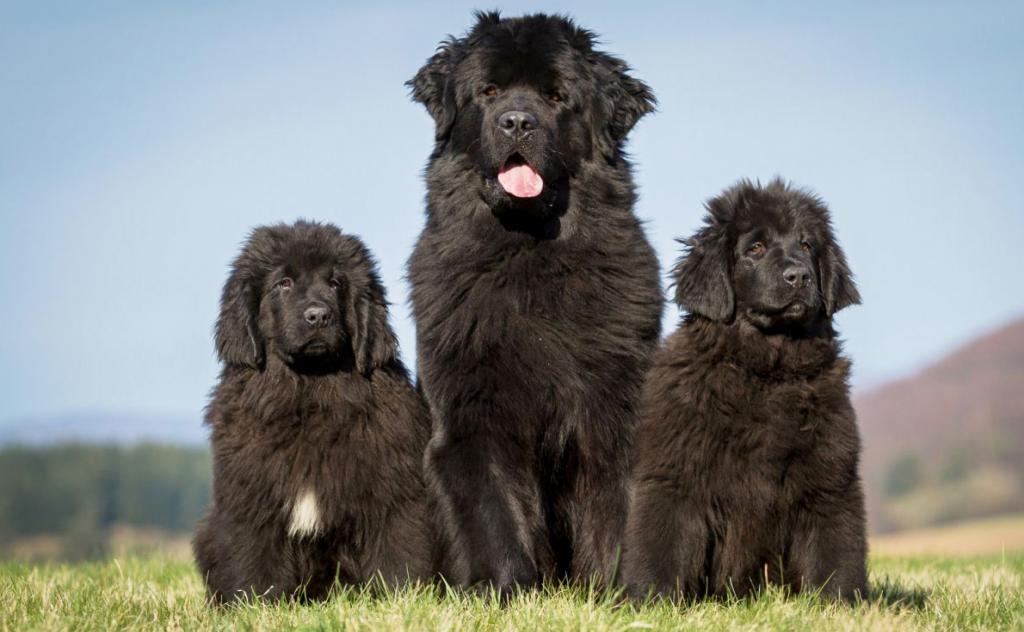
(536, 298)
(746, 464)
(317, 434)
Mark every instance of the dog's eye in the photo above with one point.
(554, 97)
(285, 283)
(756, 250)
(490, 91)
(335, 283)
(806, 247)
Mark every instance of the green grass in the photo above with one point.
(159, 593)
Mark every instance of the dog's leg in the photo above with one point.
(600, 508)
(828, 549)
(210, 556)
(488, 499)
(402, 551)
(256, 563)
(668, 548)
(601, 430)
(240, 563)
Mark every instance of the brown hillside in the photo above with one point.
(958, 429)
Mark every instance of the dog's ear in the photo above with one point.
(432, 88)
(237, 336)
(366, 315)
(703, 275)
(837, 286)
(626, 98)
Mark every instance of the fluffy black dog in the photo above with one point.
(317, 434)
(536, 298)
(746, 461)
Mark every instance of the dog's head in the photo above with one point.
(308, 294)
(527, 100)
(766, 254)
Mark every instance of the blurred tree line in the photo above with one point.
(80, 492)
(972, 479)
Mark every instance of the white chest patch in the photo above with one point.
(305, 516)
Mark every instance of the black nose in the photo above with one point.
(317, 316)
(797, 276)
(517, 124)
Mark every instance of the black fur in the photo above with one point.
(320, 406)
(535, 317)
(746, 461)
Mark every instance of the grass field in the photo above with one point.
(924, 593)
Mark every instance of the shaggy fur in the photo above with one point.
(746, 463)
(535, 317)
(317, 434)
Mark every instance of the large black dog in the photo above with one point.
(317, 434)
(536, 297)
(746, 463)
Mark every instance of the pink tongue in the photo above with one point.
(521, 181)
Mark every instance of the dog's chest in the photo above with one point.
(795, 415)
(317, 477)
(304, 464)
(806, 441)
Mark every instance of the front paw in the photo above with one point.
(506, 584)
(849, 593)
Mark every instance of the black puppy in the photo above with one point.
(746, 463)
(317, 434)
(536, 298)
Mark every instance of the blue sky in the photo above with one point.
(139, 144)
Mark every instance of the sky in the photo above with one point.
(140, 142)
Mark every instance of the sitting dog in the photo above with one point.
(746, 460)
(537, 300)
(317, 434)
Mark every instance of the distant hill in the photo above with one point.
(91, 427)
(948, 442)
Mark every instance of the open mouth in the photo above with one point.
(519, 179)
